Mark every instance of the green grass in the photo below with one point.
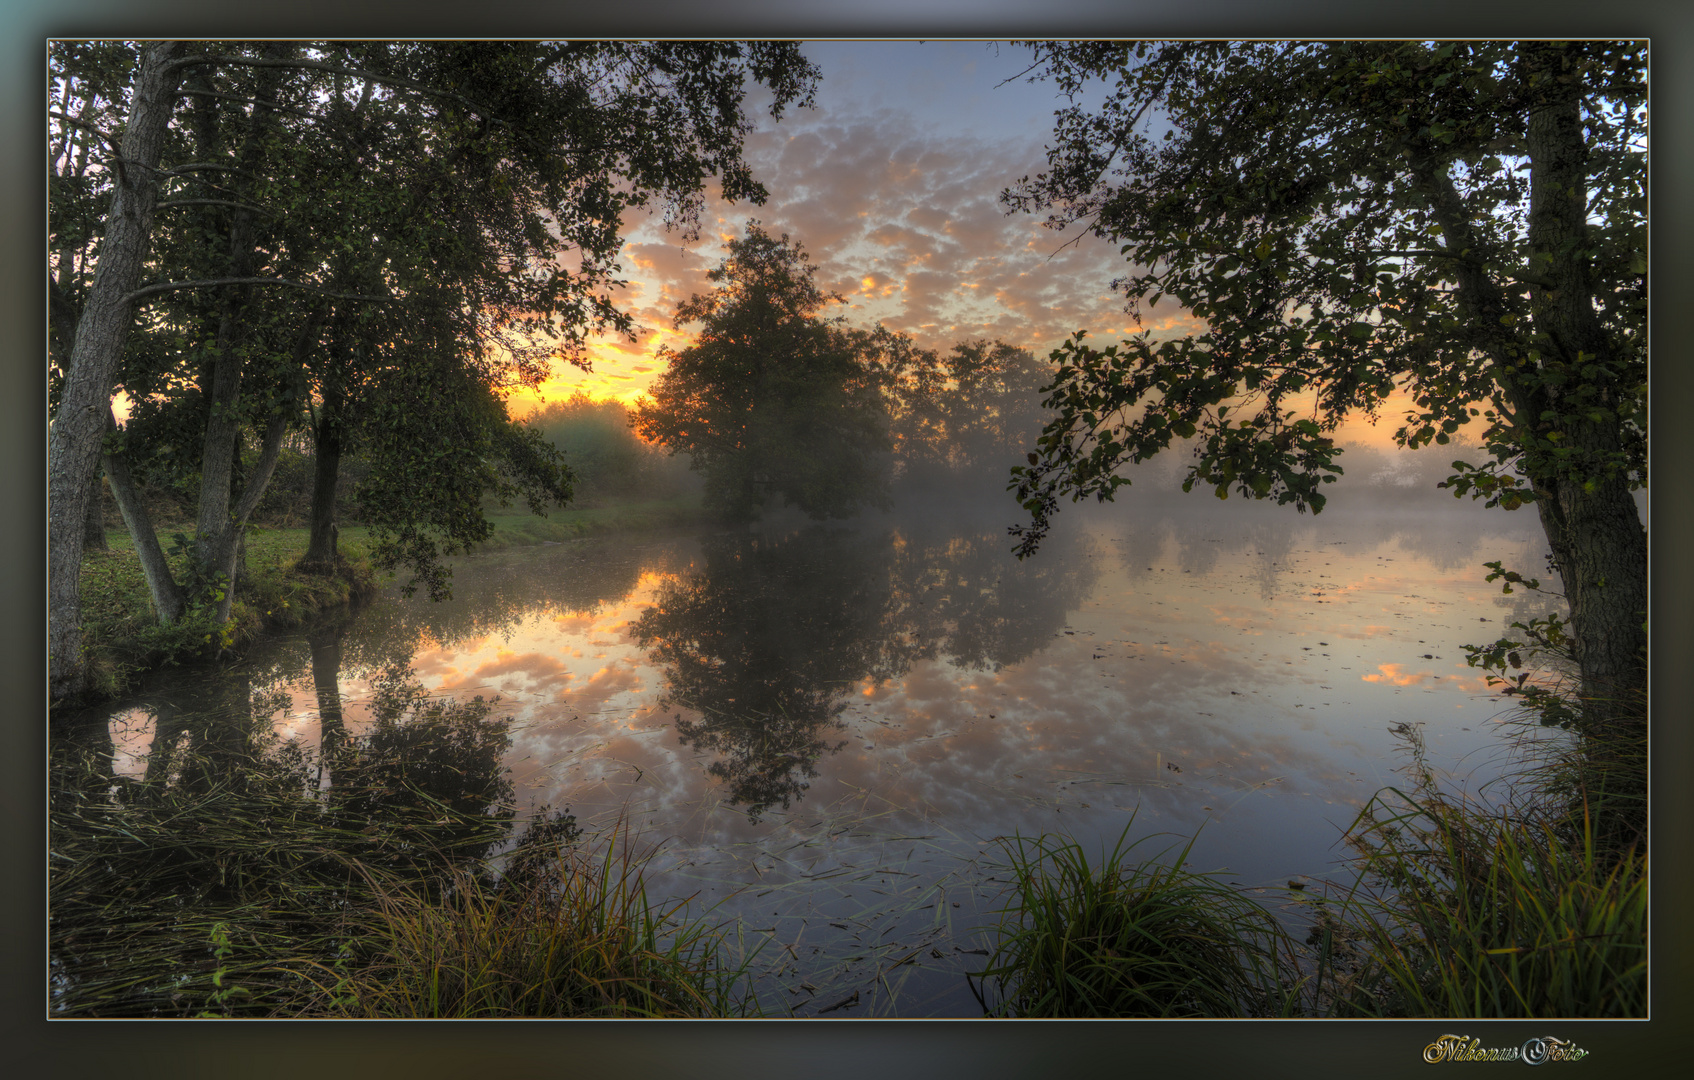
(1536, 907)
(582, 941)
(1119, 939)
(1522, 910)
(514, 528)
(121, 633)
(230, 887)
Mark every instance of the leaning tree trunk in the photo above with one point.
(167, 594)
(73, 445)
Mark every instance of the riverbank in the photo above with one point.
(123, 639)
(1457, 909)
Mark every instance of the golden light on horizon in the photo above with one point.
(620, 370)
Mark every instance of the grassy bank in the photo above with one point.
(514, 528)
(121, 633)
(122, 636)
(1535, 907)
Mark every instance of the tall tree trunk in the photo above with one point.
(218, 530)
(166, 593)
(1599, 544)
(321, 550)
(73, 445)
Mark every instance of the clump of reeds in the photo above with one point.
(1534, 908)
(140, 877)
(1116, 939)
(582, 941)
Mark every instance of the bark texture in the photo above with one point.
(1594, 531)
(321, 548)
(73, 444)
(94, 530)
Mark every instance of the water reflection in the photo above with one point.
(776, 703)
(767, 638)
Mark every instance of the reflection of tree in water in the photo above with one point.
(767, 639)
(763, 642)
(1262, 540)
(962, 596)
(492, 596)
(424, 780)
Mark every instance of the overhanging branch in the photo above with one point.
(207, 283)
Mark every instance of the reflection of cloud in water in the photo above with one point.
(1396, 675)
(530, 671)
(620, 676)
(1254, 691)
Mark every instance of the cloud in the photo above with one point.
(905, 199)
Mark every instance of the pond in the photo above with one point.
(819, 730)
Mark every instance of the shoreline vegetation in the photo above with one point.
(210, 891)
(123, 640)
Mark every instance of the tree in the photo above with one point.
(1463, 223)
(79, 422)
(595, 435)
(772, 400)
(978, 406)
(545, 144)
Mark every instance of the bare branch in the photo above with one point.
(86, 125)
(275, 106)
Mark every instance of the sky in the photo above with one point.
(891, 184)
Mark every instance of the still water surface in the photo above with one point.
(823, 728)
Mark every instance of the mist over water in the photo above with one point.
(822, 727)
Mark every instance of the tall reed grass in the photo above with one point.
(1534, 906)
(1528, 909)
(1123, 939)
(236, 893)
(581, 941)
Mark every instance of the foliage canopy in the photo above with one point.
(1458, 228)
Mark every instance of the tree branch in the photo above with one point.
(216, 202)
(336, 69)
(173, 286)
(275, 106)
